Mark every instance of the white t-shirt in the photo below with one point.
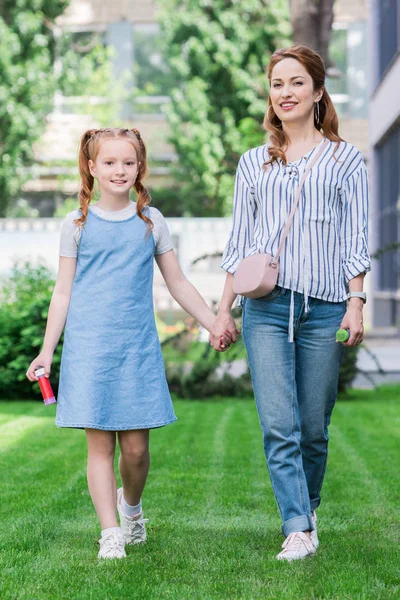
(71, 233)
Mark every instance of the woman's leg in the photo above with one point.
(318, 357)
(134, 463)
(272, 365)
(101, 476)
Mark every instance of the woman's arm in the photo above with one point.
(354, 249)
(184, 292)
(57, 316)
(353, 319)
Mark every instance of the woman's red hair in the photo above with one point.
(88, 150)
(328, 122)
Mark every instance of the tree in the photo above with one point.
(27, 48)
(218, 51)
(311, 22)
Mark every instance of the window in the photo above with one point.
(337, 83)
(153, 78)
(347, 78)
(388, 159)
(388, 32)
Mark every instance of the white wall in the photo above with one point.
(38, 239)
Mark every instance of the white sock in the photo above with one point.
(110, 530)
(130, 511)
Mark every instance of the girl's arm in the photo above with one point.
(184, 292)
(57, 316)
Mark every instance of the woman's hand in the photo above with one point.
(223, 330)
(353, 320)
(43, 360)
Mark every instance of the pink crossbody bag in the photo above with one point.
(256, 275)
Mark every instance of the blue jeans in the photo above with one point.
(295, 387)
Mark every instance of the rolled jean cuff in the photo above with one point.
(314, 503)
(303, 523)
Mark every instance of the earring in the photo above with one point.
(316, 113)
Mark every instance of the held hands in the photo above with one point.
(223, 332)
(353, 320)
(43, 360)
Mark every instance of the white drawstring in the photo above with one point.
(291, 317)
(306, 280)
(290, 248)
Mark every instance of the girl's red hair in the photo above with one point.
(88, 150)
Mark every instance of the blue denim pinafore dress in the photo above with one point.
(112, 371)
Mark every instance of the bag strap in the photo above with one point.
(295, 203)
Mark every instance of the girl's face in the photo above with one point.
(292, 91)
(116, 167)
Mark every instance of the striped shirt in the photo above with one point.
(327, 243)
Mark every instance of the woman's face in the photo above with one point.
(292, 91)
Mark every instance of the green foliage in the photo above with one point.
(218, 52)
(69, 205)
(20, 209)
(87, 71)
(27, 84)
(348, 368)
(24, 303)
(206, 374)
(169, 200)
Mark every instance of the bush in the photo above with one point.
(348, 368)
(24, 303)
(202, 377)
(208, 375)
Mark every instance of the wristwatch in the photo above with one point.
(361, 295)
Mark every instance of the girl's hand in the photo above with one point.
(224, 327)
(353, 320)
(222, 343)
(43, 360)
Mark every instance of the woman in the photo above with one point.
(290, 334)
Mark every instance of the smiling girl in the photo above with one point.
(112, 380)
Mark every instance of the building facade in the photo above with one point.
(384, 128)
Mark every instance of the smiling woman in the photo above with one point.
(296, 97)
(290, 334)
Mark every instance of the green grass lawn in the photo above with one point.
(214, 529)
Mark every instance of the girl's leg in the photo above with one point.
(134, 463)
(101, 476)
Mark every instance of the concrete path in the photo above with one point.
(385, 352)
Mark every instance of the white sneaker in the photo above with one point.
(314, 533)
(134, 530)
(112, 545)
(297, 545)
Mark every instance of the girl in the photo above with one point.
(112, 378)
(290, 334)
